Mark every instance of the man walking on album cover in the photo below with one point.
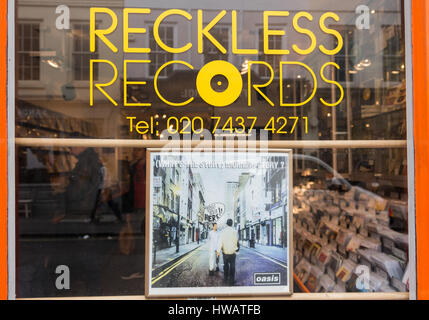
(213, 243)
(229, 245)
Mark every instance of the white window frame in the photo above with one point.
(148, 26)
(71, 52)
(33, 83)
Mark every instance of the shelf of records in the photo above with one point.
(34, 121)
(338, 237)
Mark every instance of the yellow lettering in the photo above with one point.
(281, 84)
(100, 86)
(233, 77)
(257, 86)
(235, 49)
(156, 30)
(330, 31)
(102, 33)
(126, 83)
(307, 32)
(268, 32)
(128, 30)
(155, 83)
(334, 104)
(131, 122)
(142, 127)
(205, 31)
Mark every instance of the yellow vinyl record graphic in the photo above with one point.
(213, 97)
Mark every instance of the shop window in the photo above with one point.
(28, 51)
(340, 170)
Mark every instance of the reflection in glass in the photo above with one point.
(84, 208)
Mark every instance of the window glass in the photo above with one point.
(320, 72)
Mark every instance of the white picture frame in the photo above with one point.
(261, 268)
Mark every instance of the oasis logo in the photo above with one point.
(265, 278)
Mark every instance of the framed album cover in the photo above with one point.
(218, 223)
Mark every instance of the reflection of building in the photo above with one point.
(240, 205)
(230, 189)
(166, 206)
(177, 205)
(276, 226)
(53, 74)
(53, 86)
(192, 195)
(199, 207)
(260, 206)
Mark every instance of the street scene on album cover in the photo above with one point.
(219, 222)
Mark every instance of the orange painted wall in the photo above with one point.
(3, 150)
(420, 29)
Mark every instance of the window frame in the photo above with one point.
(12, 142)
(148, 27)
(31, 84)
(26, 52)
(94, 55)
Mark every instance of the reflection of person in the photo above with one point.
(84, 182)
(108, 197)
(134, 204)
(229, 245)
(213, 243)
(138, 173)
(80, 198)
(135, 199)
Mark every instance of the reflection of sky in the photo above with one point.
(215, 180)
